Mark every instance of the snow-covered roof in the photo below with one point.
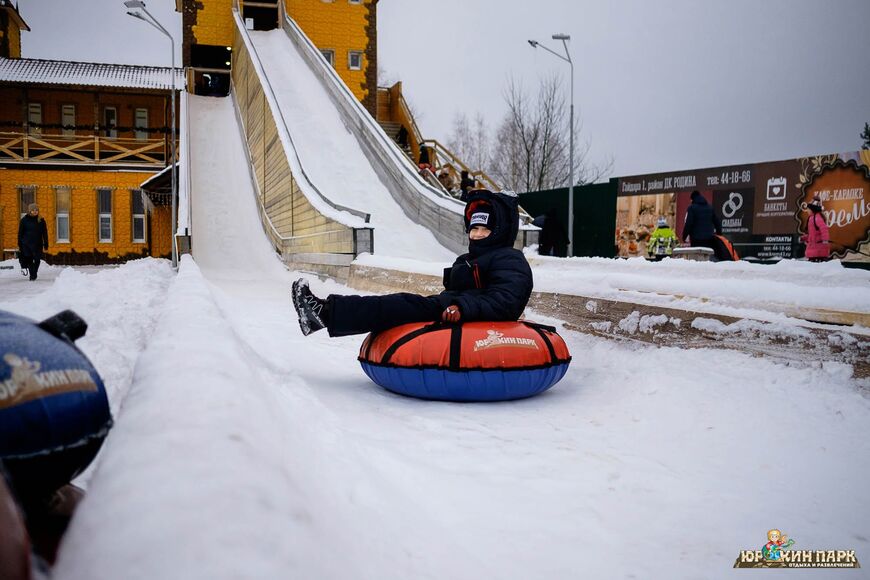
(92, 74)
(151, 181)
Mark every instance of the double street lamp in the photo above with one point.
(149, 18)
(567, 58)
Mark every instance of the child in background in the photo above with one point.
(662, 241)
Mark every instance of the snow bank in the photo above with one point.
(120, 305)
(186, 486)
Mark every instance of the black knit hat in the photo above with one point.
(479, 213)
(498, 212)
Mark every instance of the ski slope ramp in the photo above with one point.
(331, 155)
(227, 234)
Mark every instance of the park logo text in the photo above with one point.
(777, 553)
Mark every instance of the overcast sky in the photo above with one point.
(659, 85)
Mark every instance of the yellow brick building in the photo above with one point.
(345, 31)
(93, 217)
(79, 139)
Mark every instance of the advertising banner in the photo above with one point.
(763, 206)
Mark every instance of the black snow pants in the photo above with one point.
(30, 263)
(361, 314)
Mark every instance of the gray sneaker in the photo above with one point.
(308, 307)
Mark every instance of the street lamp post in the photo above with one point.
(153, 22)
(567, 58)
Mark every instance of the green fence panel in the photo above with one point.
(594, 216)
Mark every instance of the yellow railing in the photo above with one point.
(88, 149)
(445, 157)
(401, 113)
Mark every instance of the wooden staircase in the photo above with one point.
(391, 128)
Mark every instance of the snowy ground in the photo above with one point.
(243, 449)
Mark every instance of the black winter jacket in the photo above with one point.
(701, 221)
(493, 281)
(494, 286)
(32, 236)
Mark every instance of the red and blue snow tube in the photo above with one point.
(471, 361)
(54, 412)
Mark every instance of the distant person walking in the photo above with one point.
(32, 240)
(466, 183)
(702, 225)
(552, 238)
(424, 164)
(817, 237)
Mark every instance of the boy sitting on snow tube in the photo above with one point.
(493, 281)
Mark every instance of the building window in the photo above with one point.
(68, 120)
(329, 55)
(26, 196)
(61, 212)
(104, 203)
(138, 211)
(110, 121)
(354, 60)
(34, 118)
(141, 124)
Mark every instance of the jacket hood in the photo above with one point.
(504, 219)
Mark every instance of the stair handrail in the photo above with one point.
(300, 175)
(406, 110)
(483, 177)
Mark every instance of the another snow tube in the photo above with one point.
(54, 412)
(472, 361)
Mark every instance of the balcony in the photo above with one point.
(44, 148)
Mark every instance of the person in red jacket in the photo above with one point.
(817, 238)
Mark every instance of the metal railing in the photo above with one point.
(438, 211)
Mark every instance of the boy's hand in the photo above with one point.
(451, 314)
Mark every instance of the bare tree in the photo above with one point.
(532, 144)
(470, 141)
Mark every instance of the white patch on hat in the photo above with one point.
(480, 218)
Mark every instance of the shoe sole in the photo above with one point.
(296, 296)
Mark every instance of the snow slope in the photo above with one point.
(332, 156)
(247, 450)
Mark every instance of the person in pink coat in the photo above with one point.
(816, 238)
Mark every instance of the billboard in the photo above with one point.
(762, 205)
